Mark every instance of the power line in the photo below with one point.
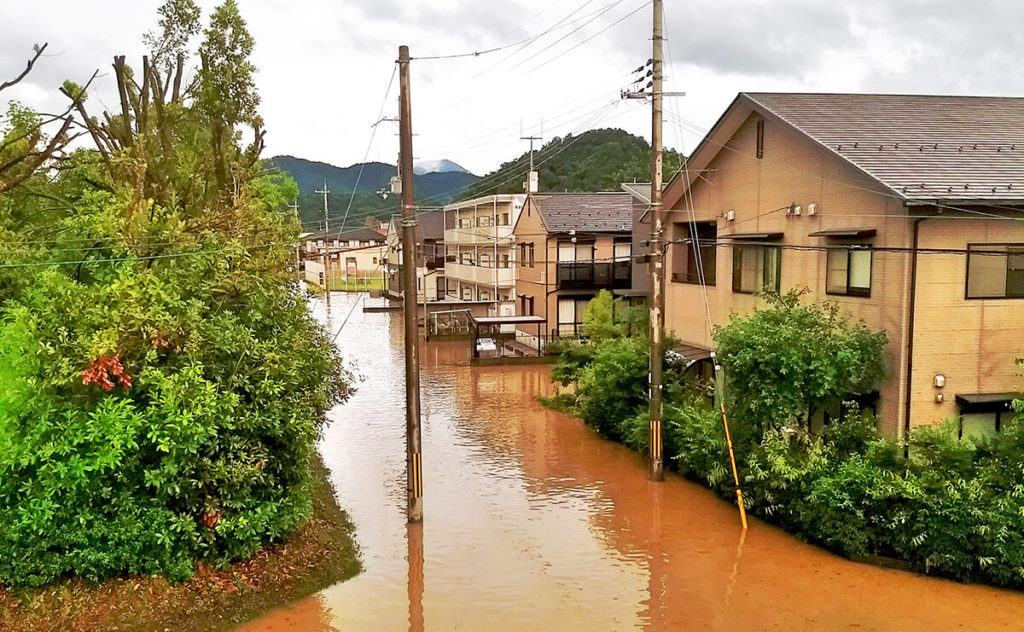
(527, 41)
(572, 48)
(366, 156)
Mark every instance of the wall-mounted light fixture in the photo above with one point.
(939, 381)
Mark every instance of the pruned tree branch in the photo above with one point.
(28, 67)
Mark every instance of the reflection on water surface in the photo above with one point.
(535, 523)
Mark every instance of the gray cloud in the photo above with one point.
(324, 64)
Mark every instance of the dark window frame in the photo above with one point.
(737, 253)
(710, 275)
(849, 250)
(759, 152)
(967, 271)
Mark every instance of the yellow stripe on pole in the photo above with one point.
(417, 475)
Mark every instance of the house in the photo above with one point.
(570, 246)
(905, 210)
(430, 258)
(478, 241)
(342, 256)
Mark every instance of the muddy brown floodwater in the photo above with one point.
(533, 522)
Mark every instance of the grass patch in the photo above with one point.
(321, 552)
(562, 402)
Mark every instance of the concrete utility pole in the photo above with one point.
(325, 191)
(327, 245)
(414, 455)
(656, 471)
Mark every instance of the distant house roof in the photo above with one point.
(639, 190)
(610, 212)
(354, 234)
(430, 225)
(925, 149)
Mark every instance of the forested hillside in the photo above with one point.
(436, 188)
(597, 160)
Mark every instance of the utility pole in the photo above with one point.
(656, 261)
(656, 471)
(413, 454)
(327, 243)
(325, 191)
(531, 139)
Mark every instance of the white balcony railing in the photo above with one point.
(479, 275)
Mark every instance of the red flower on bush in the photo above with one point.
(104, 371)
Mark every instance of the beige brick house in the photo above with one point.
(570, 246)
(908, 211)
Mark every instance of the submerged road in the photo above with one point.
(533, 522)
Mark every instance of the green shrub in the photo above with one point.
(613, 386)
(162, 383)
(783, 360)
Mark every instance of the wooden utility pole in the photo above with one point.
(656, 471)
(414, 456)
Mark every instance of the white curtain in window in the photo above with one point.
(860, 269)
(986, 273)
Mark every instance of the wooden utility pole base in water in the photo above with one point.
(414, 454)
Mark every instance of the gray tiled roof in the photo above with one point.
(430, 225)
(587, 212)
(922, 147)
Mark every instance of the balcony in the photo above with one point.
(502, 277)
(591, 275)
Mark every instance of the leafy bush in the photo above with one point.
(613, 385)
(163, 383)
(783, 360)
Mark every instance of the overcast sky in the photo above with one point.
(324, 65)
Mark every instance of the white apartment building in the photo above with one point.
(480, 249)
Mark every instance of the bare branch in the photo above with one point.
(28, 67)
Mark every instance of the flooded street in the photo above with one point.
(533, 522)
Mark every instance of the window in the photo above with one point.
(485, 260)
(484, 295)
(467, 293)
(760, 140)
(755, 268)
(503, 260)
(526, 255)
(483, 220)
(569, 252)
(503, 219)
(570, 315)
(696, 254)
(466, 258)
(526, 305)
(465, 222)
(995, 271)
(848, 271)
